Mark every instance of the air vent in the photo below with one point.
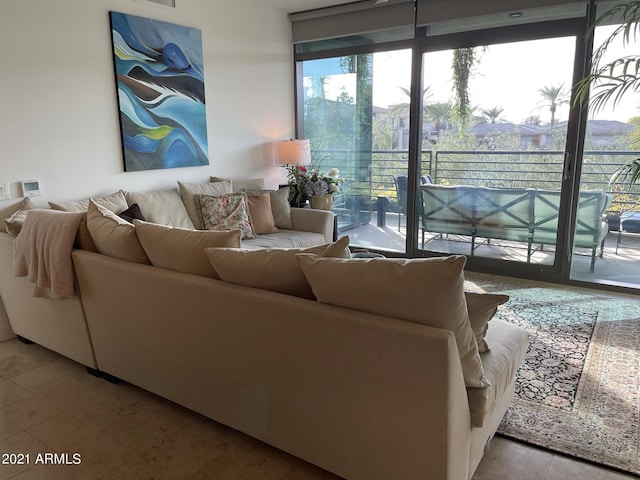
(166, 3)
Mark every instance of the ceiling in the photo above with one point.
(290, 6)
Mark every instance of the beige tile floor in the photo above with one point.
(49, 404)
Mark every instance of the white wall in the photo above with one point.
(59, 119)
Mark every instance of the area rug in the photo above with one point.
(578, 390)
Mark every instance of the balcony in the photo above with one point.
(369, 211)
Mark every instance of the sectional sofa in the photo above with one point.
(369, 368)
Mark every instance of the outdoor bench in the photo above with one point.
(516, 214)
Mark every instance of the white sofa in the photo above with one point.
(359, 394)
(60, 324)
(365, 385)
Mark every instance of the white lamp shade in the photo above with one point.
(293, 152)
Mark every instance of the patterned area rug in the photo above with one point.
(578, 390)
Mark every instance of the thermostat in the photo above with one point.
(30, 188)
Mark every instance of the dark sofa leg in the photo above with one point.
(24, 340)
(93, 371)
(110, 378)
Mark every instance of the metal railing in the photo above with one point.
(501, 169)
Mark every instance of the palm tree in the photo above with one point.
(609, 82)
(440, 113)
(493, 114)
(554, 97)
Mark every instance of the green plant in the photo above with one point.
(611, 81)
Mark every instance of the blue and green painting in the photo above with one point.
(160, 80)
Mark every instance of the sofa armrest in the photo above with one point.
(317, 221)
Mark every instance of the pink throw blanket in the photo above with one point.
(42, 251)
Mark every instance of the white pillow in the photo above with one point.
(182, 249)
(164, 207)
(423, 290)
(114, 236)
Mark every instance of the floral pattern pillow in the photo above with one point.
(226, 212)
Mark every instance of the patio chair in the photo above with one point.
(401, 182)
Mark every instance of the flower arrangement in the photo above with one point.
(305, 182)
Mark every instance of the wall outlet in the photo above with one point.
(5, 191)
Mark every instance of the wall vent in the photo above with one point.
(166, 3)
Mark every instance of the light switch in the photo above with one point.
(5, 191)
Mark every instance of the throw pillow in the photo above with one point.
(164, 207)
(14, 223)
(226, 212)
(482, 307)
(239, 184)
(114, 236)
(280, 206)
(428, 291)
(188, 191)
(116, 202)
(132, 213)
(275, 269)
(261, 214)
(182, 249)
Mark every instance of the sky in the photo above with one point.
(507, 76)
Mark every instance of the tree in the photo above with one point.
(492, 115)
(440, 114)
(463, 60)
(553, 97)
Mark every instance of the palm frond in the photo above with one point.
(628, 174)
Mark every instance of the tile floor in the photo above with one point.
(50, 404)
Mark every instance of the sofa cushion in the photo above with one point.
(284, 239)
(482, 307)
(281, 208)
(114, 236)
(500, 365)
(116, 202)
(14, 223)
(276, 270)
(428, 291)
(226, 212)
(132, 213)
(260, 213)
(239, 184)
(188, 191)
(182, 249)
(164, 207)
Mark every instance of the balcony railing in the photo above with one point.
(504, 169)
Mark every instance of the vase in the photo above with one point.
(322, 202)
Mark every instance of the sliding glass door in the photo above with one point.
(494, 136)
(607, 226)
(356, 114)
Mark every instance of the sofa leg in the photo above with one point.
(110, 378)
(25, 340)
(93, 371)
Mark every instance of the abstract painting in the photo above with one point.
(160, 81)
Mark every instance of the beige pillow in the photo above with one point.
(116, 202)
(482, 307)
(14, 223)
(114, 236)
(424, 290)
(188, 191)
(164, 207)
(239, 184)
(274, 269)
(261, 214)
(182, 249)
